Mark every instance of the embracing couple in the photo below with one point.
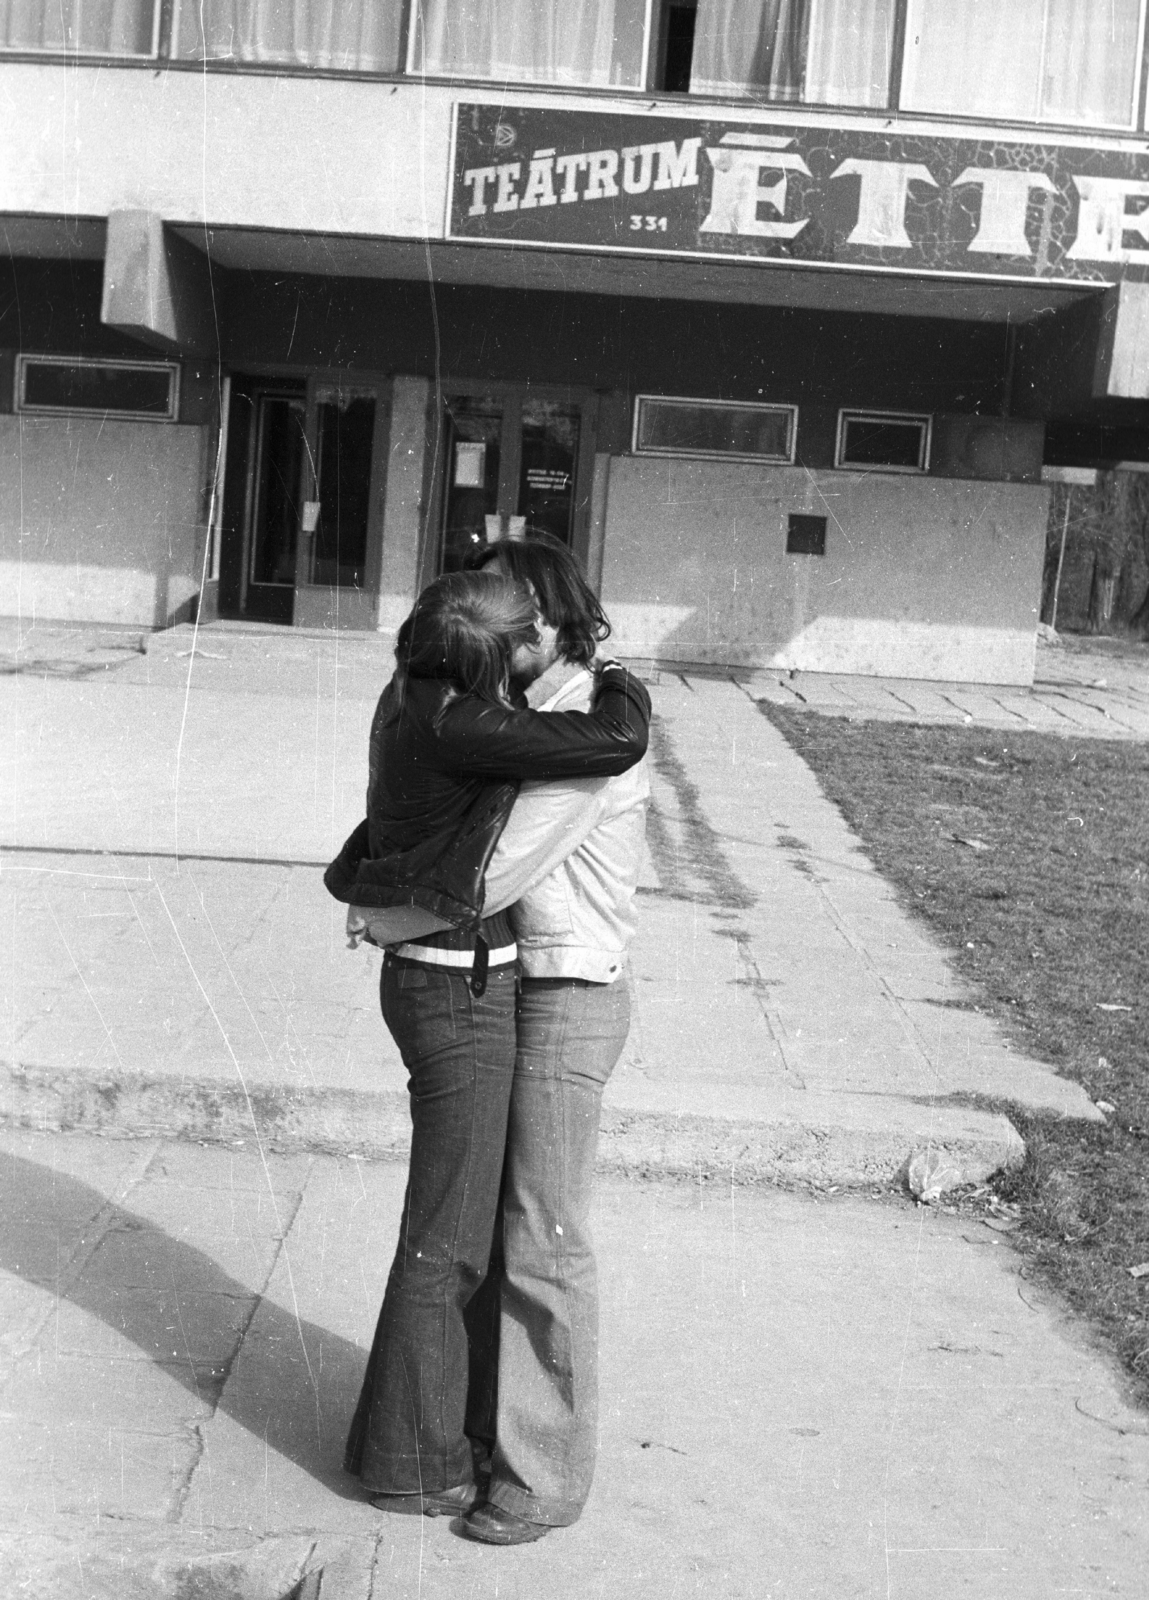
(497, 868)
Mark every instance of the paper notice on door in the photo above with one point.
(309, 519)
(545, 480)
(470, 464)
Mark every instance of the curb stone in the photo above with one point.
(826, 1146)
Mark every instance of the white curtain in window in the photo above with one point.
(848, 59)
(533, 41)
(345, 35)
(828, 52)
(974, 58)
(89, 27)
(1091, 61)
(1057, 60)
(749, 47)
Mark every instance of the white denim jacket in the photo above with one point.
(569, 857)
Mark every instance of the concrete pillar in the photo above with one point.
(1122, 366)
(596, 542)
(403, 501)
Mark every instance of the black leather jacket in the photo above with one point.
(444, 776)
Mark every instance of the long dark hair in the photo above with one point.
(463, 629)
(565, 598)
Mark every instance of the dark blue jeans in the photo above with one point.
(570, 1036)
(410, 1431)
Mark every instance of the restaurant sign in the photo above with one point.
(850, 197)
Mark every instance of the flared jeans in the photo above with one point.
(410, 1433)
(505, 1100)
(570, 1035)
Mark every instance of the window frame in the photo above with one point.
(899, 47)
(164, 38)
(1138, 116)
(656, 55)
(650, 24)
(161, 10)
(759, 406)
(848, 414)
(170, 49)
(31, 409)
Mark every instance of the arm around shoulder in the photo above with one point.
(493, 741)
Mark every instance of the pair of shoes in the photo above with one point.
(493, 1525)
(454, 1502)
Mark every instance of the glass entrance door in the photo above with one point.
(474, 434)
(278, 424)
(548, 452)
(339, 519)
(514, 462)
(302, 512)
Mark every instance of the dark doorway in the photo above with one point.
(267, 449)
(345, 428)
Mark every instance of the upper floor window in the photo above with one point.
(823, 52)
(1075, 62)
(81, 27)
(596, 43)
(343, 35)
(1025, 60)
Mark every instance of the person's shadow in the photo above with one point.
(297, 1383)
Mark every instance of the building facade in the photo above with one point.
(775, 309)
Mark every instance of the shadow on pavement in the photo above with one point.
(297, 1384)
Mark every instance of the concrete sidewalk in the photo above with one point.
(180, 969)
(830, 1400)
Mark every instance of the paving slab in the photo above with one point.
(1092, 688)
(103, 1561)
(800, 1397)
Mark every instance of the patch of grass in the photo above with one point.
(1029, 856)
